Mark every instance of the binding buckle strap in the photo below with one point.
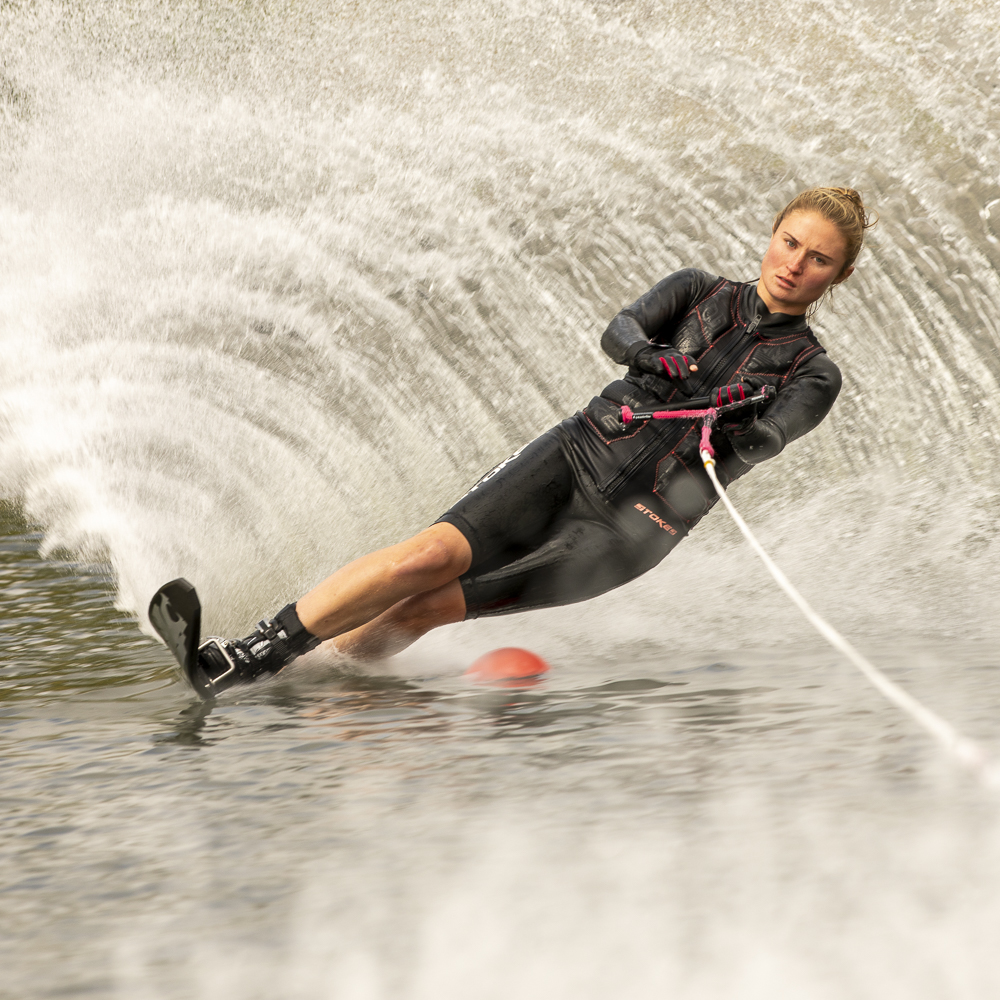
(221, 646)
(299, 639)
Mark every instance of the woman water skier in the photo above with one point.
(594, 503)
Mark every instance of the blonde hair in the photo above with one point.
(841, 206)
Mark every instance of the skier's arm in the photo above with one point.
(654, 315)
(799, 407)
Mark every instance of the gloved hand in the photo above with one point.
(739, 421)
(733, 393)
(663, 361)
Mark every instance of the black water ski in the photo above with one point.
(175, 613)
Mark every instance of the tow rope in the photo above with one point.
(960, 748)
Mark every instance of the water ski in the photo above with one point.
(175, 613)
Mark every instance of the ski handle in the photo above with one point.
(703, 404)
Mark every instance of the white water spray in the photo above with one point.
(278, 283)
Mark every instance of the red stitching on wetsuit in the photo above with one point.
(624, 437)
(739, 372)
(673, 454)
(734, 304)
(782, 341)
(712, 345)
(733, 321)
(802, 357)
(696, 310)
(667, 503)
(701, 323)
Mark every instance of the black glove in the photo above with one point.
(739, 421)
(663, 361)
(733, 393)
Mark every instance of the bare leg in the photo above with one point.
(364, 589)
(403, 623)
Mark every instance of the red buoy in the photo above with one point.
(508, 666)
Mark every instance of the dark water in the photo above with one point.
(276, 283)
(707, 827)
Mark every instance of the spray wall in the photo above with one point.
(280, 280)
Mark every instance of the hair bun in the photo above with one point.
(854, 197)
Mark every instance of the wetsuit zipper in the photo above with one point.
(751, 328)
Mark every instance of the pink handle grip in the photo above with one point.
(706, 439)
(708, 416)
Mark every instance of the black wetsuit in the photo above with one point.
(592, 504)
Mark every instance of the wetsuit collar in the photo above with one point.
(771, 324)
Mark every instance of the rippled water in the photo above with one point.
(737, 823)
(276, 283)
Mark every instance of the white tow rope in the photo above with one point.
(964, 750)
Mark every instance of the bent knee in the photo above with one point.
(432, 553)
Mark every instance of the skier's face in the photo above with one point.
(806, 256)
